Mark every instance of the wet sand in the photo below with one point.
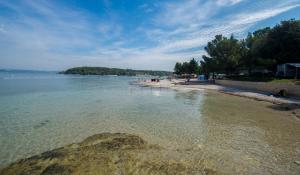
(251, 137)
(178, 84)
(247, 132)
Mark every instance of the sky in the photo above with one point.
(136, 34)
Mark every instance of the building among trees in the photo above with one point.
(288, 70)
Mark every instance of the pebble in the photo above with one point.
(200, 146)
(297, 162)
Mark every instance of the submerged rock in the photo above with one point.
(41, 124)
(108, 154)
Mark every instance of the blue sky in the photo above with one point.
(150, 34)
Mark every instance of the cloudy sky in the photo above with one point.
(149, 34)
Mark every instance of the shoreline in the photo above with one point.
(234, 140)
(283, 104)
(176, 84)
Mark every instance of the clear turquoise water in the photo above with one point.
(44, 110)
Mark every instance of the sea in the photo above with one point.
(41, 111)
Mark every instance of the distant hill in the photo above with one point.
(113, 71)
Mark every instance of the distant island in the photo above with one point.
(113, 71)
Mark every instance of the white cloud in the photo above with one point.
(228, 2)
(198, 31)
(146, 8)
(247, 18)
(185, 13)
(44, 35)
(2, 30)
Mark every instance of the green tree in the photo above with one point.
(178, 68)
(259, 49)
(247, 61)
(223, 55)
(283, 42)
(193, 66)
(273, 46)
(209, 65)
(185, 67)
(251, 49)
(264, 49)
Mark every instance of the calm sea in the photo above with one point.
(40, 111)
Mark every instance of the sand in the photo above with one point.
(178, 84)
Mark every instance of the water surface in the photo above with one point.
(42, 111)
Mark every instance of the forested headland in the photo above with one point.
(113, 71)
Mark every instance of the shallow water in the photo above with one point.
(250, 137)
(42, 111)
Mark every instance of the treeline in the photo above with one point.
(191, 67)
(263, 49)
(260, 51)
(113, 71)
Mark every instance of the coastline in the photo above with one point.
(240, 136)
(279, 103)
(178, 84)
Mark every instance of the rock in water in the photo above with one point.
(108, 153)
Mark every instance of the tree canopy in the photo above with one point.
(263, 49)
(113, 71)
(191, 67)
(223, 54)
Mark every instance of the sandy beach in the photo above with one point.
(286, 104)
(178, 84)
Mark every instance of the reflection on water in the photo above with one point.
(156, 92)
(190, 97)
